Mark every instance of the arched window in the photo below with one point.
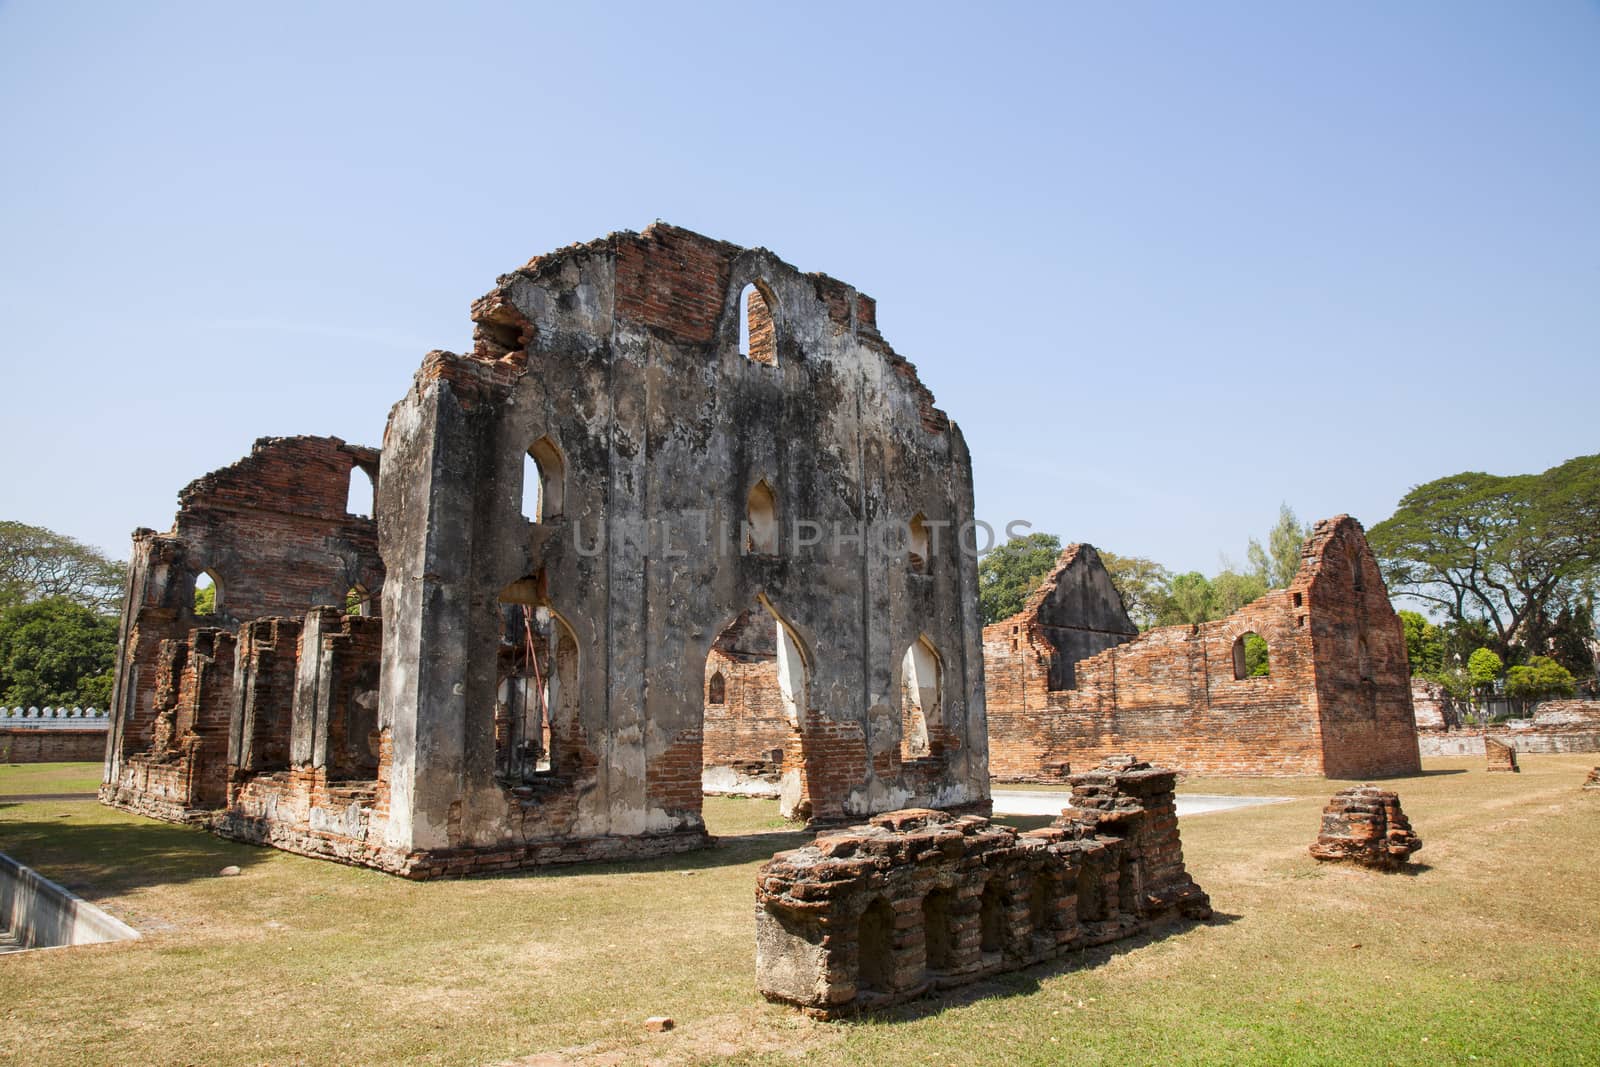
(758, 340)
(357, 601)
(359, 499)
(1250, 657)
(717, 689)
(207, 594)
(919, 700)
(544, 482)
(917, 551)
(761, 521)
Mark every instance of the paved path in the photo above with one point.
(4, 797)
(1050, 802)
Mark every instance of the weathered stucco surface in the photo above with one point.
(543, 665)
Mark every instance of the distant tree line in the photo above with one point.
(1152, 595)
(59, 602)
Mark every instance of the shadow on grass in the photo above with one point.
(1028, 980)
(102, 859)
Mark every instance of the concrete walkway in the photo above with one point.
(1050, 802)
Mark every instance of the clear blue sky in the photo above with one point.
(1166, 264)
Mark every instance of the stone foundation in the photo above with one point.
(1365, 825)
(919, 900)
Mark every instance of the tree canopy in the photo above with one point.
(1142, 584)
(40, 564)
(56, 653)
(1010, 572)
(1514, 551)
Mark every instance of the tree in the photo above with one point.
(1512, 551)
(1141, 583)
(1009, 573)
(1483, 667)
(39, 564)
(1424, 644)
(1540, 679)
(1231, 591)
(1190, 599)
(1279, 562)
(56, 653)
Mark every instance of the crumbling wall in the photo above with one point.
(608, 468)
(616, 364)
(202, 701)
(919, 900)
(1336, 699)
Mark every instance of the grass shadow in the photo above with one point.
(100, 859)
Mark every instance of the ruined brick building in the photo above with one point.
(658, 440)
(1070, 681)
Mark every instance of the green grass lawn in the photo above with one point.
(20, 779)
(1489, 949)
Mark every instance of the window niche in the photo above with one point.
(1250, 657)
(544, 477)
(919, 700)
(761, 521)
(361, 497)
(758, 338)
(917, 559)
(207, 594)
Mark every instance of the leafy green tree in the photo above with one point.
(1142, 583)
(56, 653)
(1483, 667)
(205, 599)
(1512, 551)
(38, 564)
(1190, 599)
(1009, 573)
(1279, 562)
(1424, 644)
(1231, 591)
(1541, 678)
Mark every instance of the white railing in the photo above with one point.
(54, 719)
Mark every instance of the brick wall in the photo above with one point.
(1336, 700)
(52, 746)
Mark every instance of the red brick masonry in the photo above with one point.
(921, 900)
(1337, 700)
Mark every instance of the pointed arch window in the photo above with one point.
(544, 481)
(761, 521)
(758, 338)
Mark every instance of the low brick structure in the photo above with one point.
(1365, 825)
(1069, 681)
(1593, 781)
(52, 735)
(920, 900)
(1500, 756)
